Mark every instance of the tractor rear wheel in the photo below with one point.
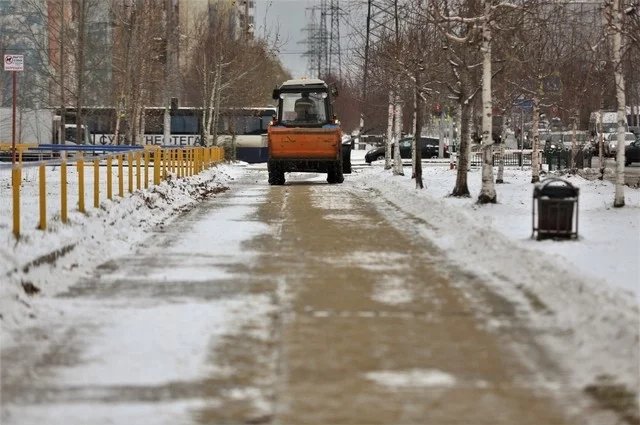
(276, 173)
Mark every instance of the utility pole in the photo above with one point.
(317, 41)
(379, 16)
(334, 39)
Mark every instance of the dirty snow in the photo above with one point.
(591, 286)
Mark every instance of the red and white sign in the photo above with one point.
(13, 62)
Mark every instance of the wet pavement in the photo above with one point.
(306, 303)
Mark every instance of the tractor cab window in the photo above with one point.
(306, 108)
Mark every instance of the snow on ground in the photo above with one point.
(98, 235)
(591, 285)
(586, 290)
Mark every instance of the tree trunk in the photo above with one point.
(168, 25)
(535, 147)
(142, 125)
(397, 166)
(618, 201)
(417, 165)
(217, 87)
(503, 135)
(574, 142)
(461, 188)
(62, 132)
(206, 130)
(488, 191)
(601, 144)
(391, 113)
(82, 18)
(413, 131)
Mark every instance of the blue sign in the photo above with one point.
(523, 103)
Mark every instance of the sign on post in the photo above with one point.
(14, 62)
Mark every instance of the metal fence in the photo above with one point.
(558, 160)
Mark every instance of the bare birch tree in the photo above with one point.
(613, 15)
(485, 21)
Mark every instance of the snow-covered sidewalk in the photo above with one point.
(87, 240)
(589, 286)
(585, 290)
(608, 247)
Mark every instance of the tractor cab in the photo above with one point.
(305, 103)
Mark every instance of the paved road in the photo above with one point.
(343, 315)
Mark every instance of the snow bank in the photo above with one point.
(87, 240)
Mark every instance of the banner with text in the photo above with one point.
(150, 139)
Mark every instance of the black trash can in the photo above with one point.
(557, 202)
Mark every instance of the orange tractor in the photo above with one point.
(305, 135)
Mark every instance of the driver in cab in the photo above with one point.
(304, 108)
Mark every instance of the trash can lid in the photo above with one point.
(556, 188)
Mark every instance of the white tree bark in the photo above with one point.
(535, 147)
(488, 191)
(620, 97)
(210, 105)
(397, 164)
(218, 87)
(387, 152)
(413, 132)
(141, 127)
(574, 142)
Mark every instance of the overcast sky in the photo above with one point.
(291, 16)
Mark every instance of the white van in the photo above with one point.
(609, 122)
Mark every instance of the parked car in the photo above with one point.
(632, 153)
(553, 143)
(611, 141)
(429, 149)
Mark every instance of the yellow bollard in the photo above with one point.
(63, 192)
(109, 179)
(96, 183)
(120, 176)
(146, 169)
(138, 176)
(16, 177)
(130, 162)
(43, 197)
(80, 167)
(157, 162)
